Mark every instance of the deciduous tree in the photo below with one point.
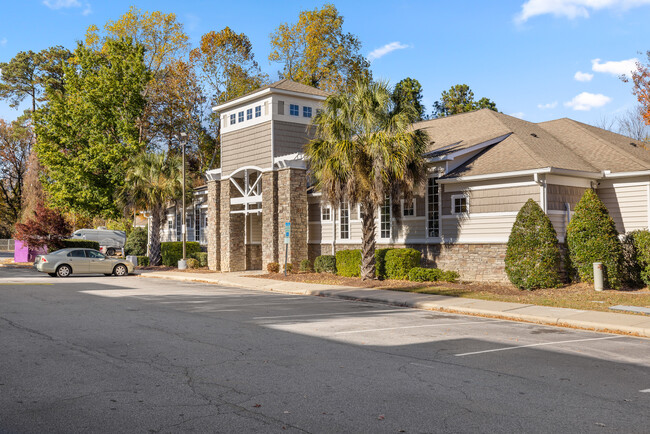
(47, 227)
(317, 52)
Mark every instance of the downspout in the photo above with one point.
(542, 191)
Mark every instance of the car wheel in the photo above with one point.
(52, 274)
(110, 251)
(63, 271)
(120, 270)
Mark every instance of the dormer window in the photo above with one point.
(249, 114)
(233, 119)
(241, 116)
(258, 111)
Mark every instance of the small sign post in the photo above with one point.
(287, 235)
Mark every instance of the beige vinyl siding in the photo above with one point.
(477, 228)
(290, 137)
(507, 199)
(409, 229)
(558, 195)
(559, 220)
(246, 147)
(627, 204)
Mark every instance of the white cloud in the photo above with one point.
(3, 42)
(59, 4)
(87, 10)
(382, 51)
(519, 115)
(622, 67)
(586, 101)
(572, 9)
(583, 76)
(550, 105)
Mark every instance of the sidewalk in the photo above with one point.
(582, 319)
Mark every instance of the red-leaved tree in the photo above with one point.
(48, 228)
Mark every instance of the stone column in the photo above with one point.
(214, 223)
(233, 245)
(292, 207)
(269, 218)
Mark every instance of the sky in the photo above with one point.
(536, 59)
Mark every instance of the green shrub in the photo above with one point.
(305, 265)
(136, 242)
(636, 257)
(532, 254)
(380, 262)
(85, 244)
(450, 276)
(143, 261)
(172, 251)
(202, 257)
(592, 237)
(325, 264)
(419, 274)
(348, 263)
(192, 263)
(288, 268)
(400, 261)
(273, 267)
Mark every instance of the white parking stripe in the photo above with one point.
(417, 326)
(537, 345)
(645, 391)
(330, 314)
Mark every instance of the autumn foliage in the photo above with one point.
(48, 228)
(641, 81)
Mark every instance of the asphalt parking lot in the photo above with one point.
(133, 354)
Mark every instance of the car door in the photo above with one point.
(78, 261)
(99, 263)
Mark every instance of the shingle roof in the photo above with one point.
(293, 86)
(562, 144)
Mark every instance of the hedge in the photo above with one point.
(305, 265)
(172, 251)
(348, 263)
(636, 257)
(380, 262)
(592, 237)
(201, 257)
(86, 244)
(419, 274)
(532, 253)
(325, 264)
(143, 261)
(136, 242)
(400, 261)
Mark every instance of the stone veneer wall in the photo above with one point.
(214, 227)
(292, 207)
(253, 256)
(233, 248)
(474, 262)
(269, 218)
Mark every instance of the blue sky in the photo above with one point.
(537, 59)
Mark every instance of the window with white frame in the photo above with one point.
(240, 118)
(326, 213)
(197, 223)
(170, 226)
(459, 204)
(258, 111)
(384, 219)
(249, 114)
(233, 119)
(294, 109)
(306, 112)
(345, 221)
(408, 208)
(433, 208)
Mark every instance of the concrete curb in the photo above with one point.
(561, 317)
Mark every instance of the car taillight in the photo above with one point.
(43, 259)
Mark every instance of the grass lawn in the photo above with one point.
(576, 296)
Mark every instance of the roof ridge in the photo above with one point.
(608, 144)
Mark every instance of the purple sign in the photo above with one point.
(24, 254)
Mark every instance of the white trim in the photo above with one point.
(213, 175)
(577, 173)
(415, 211)
(450, 188)
(349, 237)
(390, 220)
(629, 184)
(648, 203)
(453, 204)
(323, 207)
(481, 214)
(608, 174)
(246, 200)
(264, 92)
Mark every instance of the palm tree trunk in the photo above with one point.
(154, 251)
(368, 241)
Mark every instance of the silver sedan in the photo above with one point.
(64, 262)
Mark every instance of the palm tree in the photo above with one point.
(366, 150)
(151, 181)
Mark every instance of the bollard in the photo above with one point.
(598, 276)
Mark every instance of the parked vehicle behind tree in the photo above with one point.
(110, 241)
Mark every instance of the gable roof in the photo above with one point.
(522, 145)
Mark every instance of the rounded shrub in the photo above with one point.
(192, 263)
(325, 264)
(136, 242)
(305, 265)
(273, 267)
(592, 237)
(202, 257)
(636, 257)
(400, 261)
(419, 274)
(287, 267)
(532, 255)
(348, 263)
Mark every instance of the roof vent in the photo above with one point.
(533, 134)
(633, 144)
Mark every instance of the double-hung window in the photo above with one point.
(384, 219)
(294, 109)
(408, 208)
(233, 119)
(306, 112)
(258, 111)
(249, 114)
(345, 221)
(241, 116)
(326, 213)
(433, 208)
